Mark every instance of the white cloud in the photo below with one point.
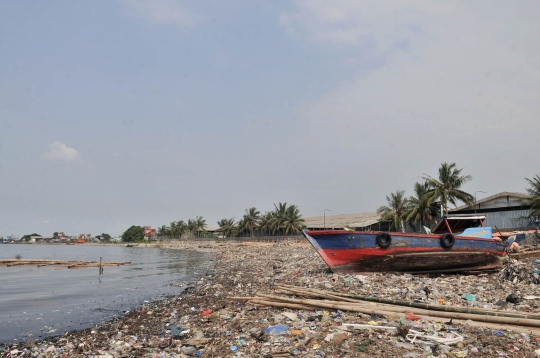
(45, 221)
(61, 152)
(161, 11)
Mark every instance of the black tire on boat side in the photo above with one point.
(447, 240)
(383, 239)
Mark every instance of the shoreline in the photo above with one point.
(182, 326)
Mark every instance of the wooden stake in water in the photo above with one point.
(100, 266)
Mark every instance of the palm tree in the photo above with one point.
(421, 206)
(292, 221)
(278, 217)
(226, 227)
(395, 210)
(534, 192)
(200, 224)
(191, 227)
(163, 230)
(173, 229)
(180, 227)
(250, 221)
(265, 223)
(447, 187)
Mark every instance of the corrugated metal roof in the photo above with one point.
(341, 220)
(521, 198)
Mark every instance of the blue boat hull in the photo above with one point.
(345, 251)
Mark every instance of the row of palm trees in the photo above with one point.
(432, 194)
(177, 228)
(283, 220)
(429, 195)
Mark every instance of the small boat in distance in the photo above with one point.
(458, 243)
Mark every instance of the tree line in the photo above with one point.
(283, 220)
(432, 194)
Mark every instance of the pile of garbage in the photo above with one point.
(204, 321)
(519, 272)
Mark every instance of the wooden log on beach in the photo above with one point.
(348, 306)
(495, 326)
(355, 298)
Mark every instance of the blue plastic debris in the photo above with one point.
(175, 330)
(234, 348)
(277, 329)
(499, 333)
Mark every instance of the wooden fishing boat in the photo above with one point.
(458, 243)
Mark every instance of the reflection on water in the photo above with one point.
(50, 300)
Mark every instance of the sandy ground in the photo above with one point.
(204, 321)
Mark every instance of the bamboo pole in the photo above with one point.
(480, 311)
(497, 326)
(367, 310)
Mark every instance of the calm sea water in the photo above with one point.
(49, 300)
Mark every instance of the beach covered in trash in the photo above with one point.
(216, 315)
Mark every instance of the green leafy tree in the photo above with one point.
(422, 208)
(250, 221)
(106, 237)
(163, 230)
(27, 237)
(284, 220)
(292, 223)
(180, 228)
(134, 233)
(265, 223)
(534, 192)
(173, 231)
(226, 227)
(200, 224)
(447, 188)
(278, 218)
(395, 210)
(191, 227)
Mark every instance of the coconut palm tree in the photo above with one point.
(180, 227)
(447, 187)
(534, 192)
(265, 223)
(395, 210)
(200, 224)
(173, 229)
(226, 227)
(250, 221)
(293, 222)
(278, 218)
(421, 205)
(191, 227)
(163, 230)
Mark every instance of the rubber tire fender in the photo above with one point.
(383, 239)
(447, 240)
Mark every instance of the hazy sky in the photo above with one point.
(115, 113)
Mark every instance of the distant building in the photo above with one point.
(149, 233)
(506, 211)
